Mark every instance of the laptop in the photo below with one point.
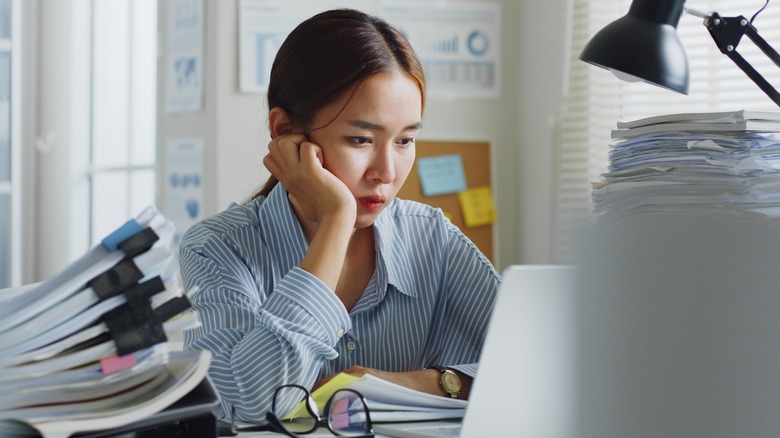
(526, 378)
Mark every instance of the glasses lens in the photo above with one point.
(348, 414)
(290, 409)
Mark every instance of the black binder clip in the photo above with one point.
(116, 280)
(125, 273)
(132, 235)
(138, 243)
(135, 325)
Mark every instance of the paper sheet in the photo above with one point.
(404, 403)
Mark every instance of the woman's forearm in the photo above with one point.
(328, 248)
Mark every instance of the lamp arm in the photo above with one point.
(727, 33)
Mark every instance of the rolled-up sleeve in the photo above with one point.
(260, 339)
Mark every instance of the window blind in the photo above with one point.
(595, 99)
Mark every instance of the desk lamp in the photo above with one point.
(644, 46)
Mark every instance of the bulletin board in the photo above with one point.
(476, 167)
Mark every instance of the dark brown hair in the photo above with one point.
(329, 54)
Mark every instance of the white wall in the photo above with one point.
(517, 124)
(540, 56)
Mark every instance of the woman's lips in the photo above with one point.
(372, 203)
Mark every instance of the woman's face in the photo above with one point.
(368, 140)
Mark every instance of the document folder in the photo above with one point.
(191, 416)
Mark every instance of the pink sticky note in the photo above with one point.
(116, 363)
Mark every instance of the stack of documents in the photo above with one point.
(727, 121)
(724, 163)
(87, 350)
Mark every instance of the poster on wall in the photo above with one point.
(263, 26)
(184, 183)
(459, 44)
(184, 62)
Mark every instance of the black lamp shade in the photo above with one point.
(643, 44)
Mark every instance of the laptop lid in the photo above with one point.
(526, 381)
(524, 386)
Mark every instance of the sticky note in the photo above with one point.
(477, 206)
(112, 364)
(441, 175)
(323, 394)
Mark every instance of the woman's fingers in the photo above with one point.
(286, 149)
(270, 163)
(312, 189)
(310, 154)
(284, 158)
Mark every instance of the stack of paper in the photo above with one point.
(698, 163)
(86, 349)
(724, 122)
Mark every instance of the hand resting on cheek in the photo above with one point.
(314, 191)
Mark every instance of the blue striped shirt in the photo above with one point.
(267, 322)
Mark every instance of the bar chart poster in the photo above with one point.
(264, 25)
(458, 43)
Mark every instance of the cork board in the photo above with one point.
(476, 167)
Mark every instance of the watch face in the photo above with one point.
(450, 382)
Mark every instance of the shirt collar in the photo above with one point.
(393, 259)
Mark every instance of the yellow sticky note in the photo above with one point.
(477, 206)
(323, 394)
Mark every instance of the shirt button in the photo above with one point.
(340, 332)
(351, 345)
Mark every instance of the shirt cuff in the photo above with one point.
(467, 369)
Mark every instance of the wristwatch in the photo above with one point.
(449, 381)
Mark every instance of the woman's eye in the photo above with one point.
(406, 141)
(361, 140)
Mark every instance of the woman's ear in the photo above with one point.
(279, 123)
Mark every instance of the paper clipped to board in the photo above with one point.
(441, 175)
(477, 206)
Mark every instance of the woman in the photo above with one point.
(324, 270)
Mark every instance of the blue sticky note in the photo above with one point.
(441, 175)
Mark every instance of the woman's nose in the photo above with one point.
(382, 168)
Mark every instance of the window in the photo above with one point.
(95, 125)
(596, 100)
(123, 137)
(9, 145)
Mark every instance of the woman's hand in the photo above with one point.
(313, 190)
(426, 380)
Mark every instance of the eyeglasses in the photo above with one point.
(345, 413)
